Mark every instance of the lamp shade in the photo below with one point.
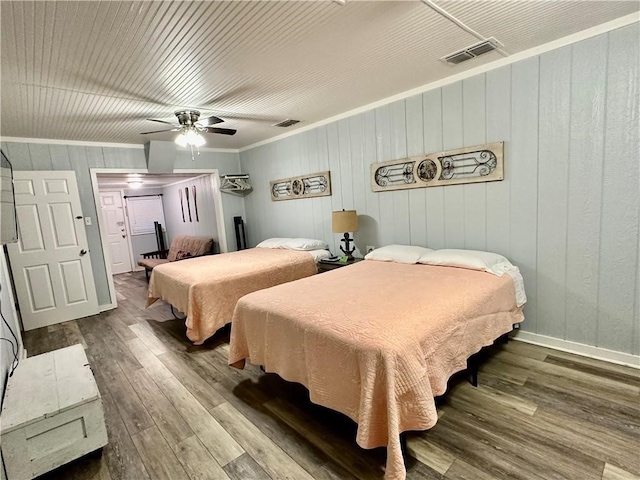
(344, 221)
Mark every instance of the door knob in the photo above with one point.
(83, 252)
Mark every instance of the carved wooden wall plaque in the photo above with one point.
(482, 163)
(305, 186)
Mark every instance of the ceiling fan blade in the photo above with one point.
(212, 120)
(226, 97)
(85, 92)
(254, 118)
(159, 131)
(161, 121)
(222, 131)
(99, 84)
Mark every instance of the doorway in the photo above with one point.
(134, 190)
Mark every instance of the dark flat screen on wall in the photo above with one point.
(8, 225)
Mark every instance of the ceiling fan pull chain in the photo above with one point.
(193, 158)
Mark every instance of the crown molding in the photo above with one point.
(210, 149)
(77, 143)
(516, 57)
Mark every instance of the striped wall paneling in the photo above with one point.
(566, 212)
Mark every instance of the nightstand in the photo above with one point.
(324, 266)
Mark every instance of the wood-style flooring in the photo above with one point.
(177, 411)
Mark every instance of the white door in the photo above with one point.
(50, 262)
(113, 215)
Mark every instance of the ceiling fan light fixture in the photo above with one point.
(191, 129)
(190, 138)
(181, 139)
(194, 138)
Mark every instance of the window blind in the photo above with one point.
(143, 211)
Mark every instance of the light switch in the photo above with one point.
(87, 220)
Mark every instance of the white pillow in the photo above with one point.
(319, 254)
(304, 244)
(398, 253)
(471, 259)
(273, 243)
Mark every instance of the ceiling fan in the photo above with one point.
(190, 127)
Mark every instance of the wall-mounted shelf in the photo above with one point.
(236, 184)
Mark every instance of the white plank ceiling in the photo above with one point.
(95, 70)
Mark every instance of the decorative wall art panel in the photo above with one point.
(482, 163)
(305, 186)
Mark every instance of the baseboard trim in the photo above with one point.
(578, 348)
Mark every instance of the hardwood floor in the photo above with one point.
(177, 411)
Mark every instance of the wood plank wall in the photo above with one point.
(207, 225)
(39, 156)
(566, 213)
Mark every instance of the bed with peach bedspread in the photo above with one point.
(207, 288)
(376, 341)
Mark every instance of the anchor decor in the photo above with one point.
(305, 186)
(482, 163)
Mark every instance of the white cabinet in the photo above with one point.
(52, 413)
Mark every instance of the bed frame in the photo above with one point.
(473, 362)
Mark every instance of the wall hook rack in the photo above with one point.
(236, 184)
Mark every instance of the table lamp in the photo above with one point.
(345, 221)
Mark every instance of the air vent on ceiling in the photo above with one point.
(459, 57)
(286, 123)
(472, 51)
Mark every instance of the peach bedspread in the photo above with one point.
(207, 288)
(376, 341)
